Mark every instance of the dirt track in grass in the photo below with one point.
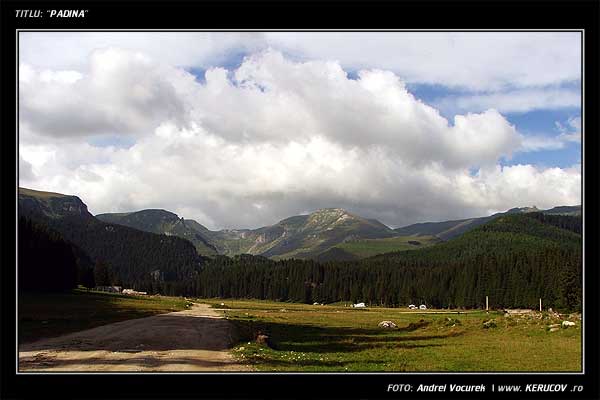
(197, 339)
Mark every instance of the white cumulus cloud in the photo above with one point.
(269, 139)
(473, 60)
(120, 92)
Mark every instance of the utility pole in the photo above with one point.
(540, 304)
(487, 304)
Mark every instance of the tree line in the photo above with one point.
(514, 259)
(58, 254)
(45, 261)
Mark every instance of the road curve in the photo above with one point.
(192, 340)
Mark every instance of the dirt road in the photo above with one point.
(192, 340)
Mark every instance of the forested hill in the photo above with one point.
(46, 261)
(447, 230)
(506, 234)
(134, 258)
(515, 260)
(165, 222)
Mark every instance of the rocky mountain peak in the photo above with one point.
(523, 209)
(54, 205)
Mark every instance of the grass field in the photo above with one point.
(43, 315)
(336, 338)
(370, 247)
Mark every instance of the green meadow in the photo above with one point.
(337, 338)
(315, 338)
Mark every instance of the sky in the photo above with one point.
(243, 129)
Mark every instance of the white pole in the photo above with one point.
(540, 304)
(487, 306)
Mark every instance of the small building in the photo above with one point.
(109, 289)
(133, 292)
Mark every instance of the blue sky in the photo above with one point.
(543, 122)
(535, 122)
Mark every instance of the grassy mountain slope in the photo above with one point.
(302, 236)
(565, 210)
(364, 248)
(444, 230)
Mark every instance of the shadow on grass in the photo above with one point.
(313, 339)
(45, 315)
(32, 329)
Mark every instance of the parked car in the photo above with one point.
(422, 307)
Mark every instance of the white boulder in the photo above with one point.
(387, 324)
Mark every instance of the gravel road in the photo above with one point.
(192, 340)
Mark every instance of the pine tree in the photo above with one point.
(101, 274)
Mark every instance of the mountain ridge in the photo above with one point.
(305, 236)
(314, 234)
(165, 222)
(301, 236)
